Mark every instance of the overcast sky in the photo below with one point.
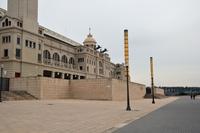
(168, 30)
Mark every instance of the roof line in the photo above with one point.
(59, 36)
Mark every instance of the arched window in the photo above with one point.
(46, 57)
(6, 21)
(64, 59)
(46, 54)
(56, 57)
(9, 23)
(71, 61)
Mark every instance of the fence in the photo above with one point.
(4, 84)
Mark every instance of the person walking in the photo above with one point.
(194, 95)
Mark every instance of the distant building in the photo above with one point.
(28, 49)
(175, 91)
(120, 71)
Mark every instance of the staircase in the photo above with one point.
(16, 95)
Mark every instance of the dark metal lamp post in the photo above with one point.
(128, 108)
(126, 57)
(152, 81)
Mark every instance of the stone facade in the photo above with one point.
(30, 53)
(92, 89)
(137, 91)
(31, 85)
(86, 89)
(29, 49)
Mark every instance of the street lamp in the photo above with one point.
(126, 57)
(128, 108)
(152, 81)
(1, 82)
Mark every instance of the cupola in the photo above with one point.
(90, 41)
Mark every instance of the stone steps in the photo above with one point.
(16, 95)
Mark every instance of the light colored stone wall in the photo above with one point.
(31, 85)
(25, 10)
(54, 88)
(87, 89)
(91, 89)
(119, 90)
(105, 89)
(42, 88)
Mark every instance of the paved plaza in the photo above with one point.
(181, 116)
(72, 116)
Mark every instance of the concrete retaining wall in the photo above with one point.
(31, 85)
(91, 89)
(119, 90)
(54, 88)
(88, 89)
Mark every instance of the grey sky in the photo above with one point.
(168, 30)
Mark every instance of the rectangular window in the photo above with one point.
(30, 44)
(5, 52)
(80, 59)
(34, 45)
(6, 39)
(81, 68)
(3, 39)
(18, 40)
(39, 46)
(20, 25)
(39, 58)
(26, 43)
(9, 39)
(18, 53)
(17, 74)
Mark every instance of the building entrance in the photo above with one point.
(67, 76)
(58, 75)
(47, 73)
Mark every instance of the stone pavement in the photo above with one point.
(181, 116)
(72, 116)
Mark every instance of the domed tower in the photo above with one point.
(90, 41)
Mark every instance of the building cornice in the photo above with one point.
(59, 37)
